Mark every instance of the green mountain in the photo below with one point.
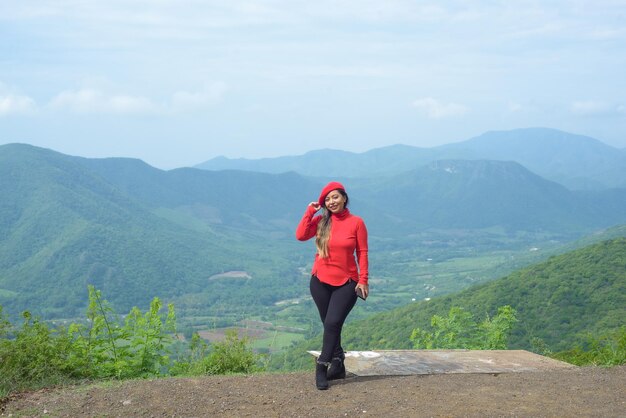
(558, 301)
(136, 232)
(443, 194)
(63, 226)
(474, 194)
(251, 201)
(576, 161)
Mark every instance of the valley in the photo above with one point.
(220, 244)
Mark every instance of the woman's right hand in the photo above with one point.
(315, 205)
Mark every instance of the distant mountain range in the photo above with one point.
(442, 194)
(575, 161)
(135, 231)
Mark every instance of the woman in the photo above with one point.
(335, 278)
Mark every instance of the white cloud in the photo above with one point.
(95, 101)
(14, 104)
(596, 108)
(209, 95)
(90, 100)
(435, 109)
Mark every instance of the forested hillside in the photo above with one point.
(251, 201)
(557, 301)
(63, 226)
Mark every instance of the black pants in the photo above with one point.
(334, 303)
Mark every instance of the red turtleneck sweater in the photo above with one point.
(348, 235)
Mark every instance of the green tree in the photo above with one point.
(494, 333)
(148, 338)
(97, 347)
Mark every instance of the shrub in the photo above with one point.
(606, 350)
(460, 330)
(35, 357)
(233, 355)
(5, 325)
(105, 348)
(192, 364)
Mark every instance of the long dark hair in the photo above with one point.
(323, 228)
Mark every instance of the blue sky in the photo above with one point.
(178, 82)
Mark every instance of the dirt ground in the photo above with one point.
(579, 392)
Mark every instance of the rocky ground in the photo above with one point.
(579, 392)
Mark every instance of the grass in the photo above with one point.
(276, 342)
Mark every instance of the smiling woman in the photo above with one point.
(335, 279)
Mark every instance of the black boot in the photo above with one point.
(336, 370)
(320, 376)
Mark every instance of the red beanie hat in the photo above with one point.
(333, 185)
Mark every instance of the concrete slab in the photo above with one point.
(412, 362)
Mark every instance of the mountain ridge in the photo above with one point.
(576, 161)
(484, 193)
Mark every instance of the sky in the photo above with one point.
(178, 82)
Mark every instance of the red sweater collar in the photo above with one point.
(341, 215)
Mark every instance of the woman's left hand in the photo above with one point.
(364, 288)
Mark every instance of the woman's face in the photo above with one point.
(335, 201)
